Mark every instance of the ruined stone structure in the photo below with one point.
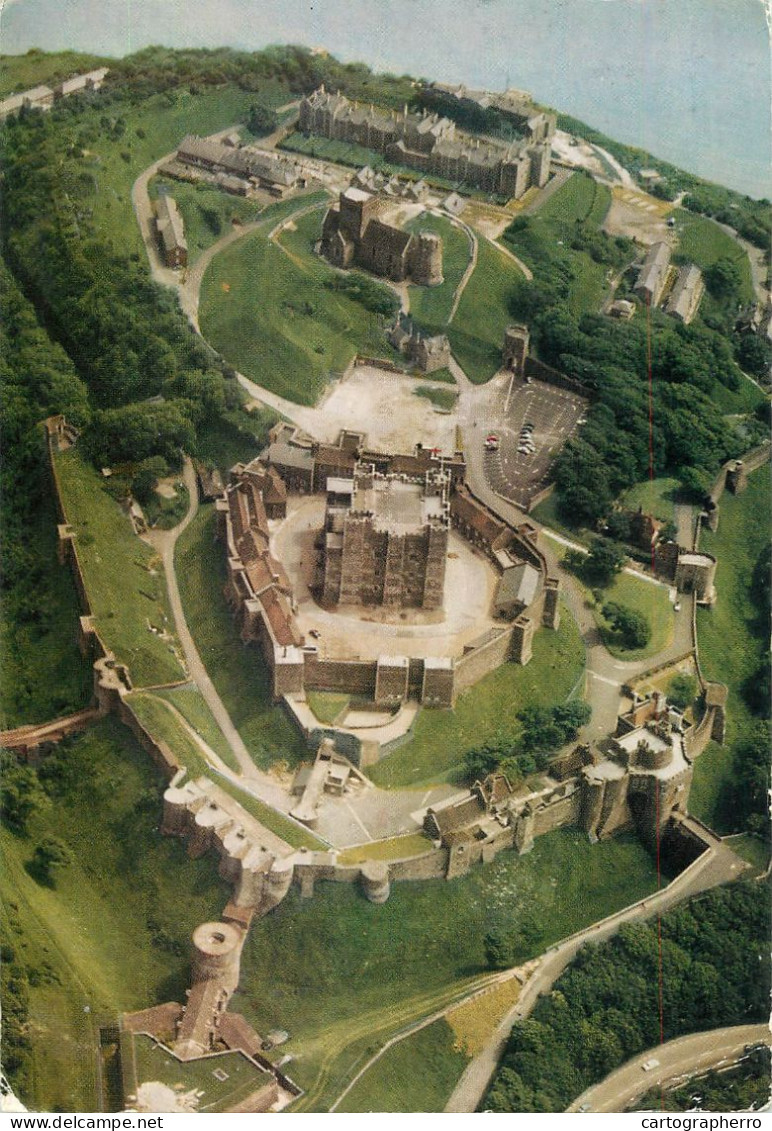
(516, 343)
(362, 230)
(431, 144)
(428, 352)
(385, 539)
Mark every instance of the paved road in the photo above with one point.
(681, 1058)
(716, 866)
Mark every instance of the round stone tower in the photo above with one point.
(427, 259)
(217, 953)
(375, 881)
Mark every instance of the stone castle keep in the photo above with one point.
(386, 540)
(433, 144)
(363, 230)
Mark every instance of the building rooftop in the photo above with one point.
(398, 505)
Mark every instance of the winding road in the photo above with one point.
(677, 1060)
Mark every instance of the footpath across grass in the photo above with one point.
(418, 1074)
(114, 933)
(484, 312)
(267, 310)
(313, 966)
(124, 577)
(441, 737)
(731, 637)
(237, 671)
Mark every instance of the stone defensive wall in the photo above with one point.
(260, 595)
(733, 476)
(539, 371)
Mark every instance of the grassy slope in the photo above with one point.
(316, 966)
(702, 241)
(162, 723)
(728, 634)
(22, 72)
(43, 674)
(440, 738)
(195, 710)
(418, 1074)
(124, 595)
(430, 306)
(195, 201)
(655, 496)
(271, 316)
(238, 673)
(92, 929)
(651, 600)
(163, 119)
(477, 330)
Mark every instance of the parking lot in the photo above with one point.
(554, 414)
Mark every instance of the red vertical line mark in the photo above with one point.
(651, 403)
(661, 984)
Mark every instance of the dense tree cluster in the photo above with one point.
(543, 731)
(604, 1009)
(632, 627)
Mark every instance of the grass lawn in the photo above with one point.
(336, 969)
(549, 514)
(656, 496)
(114, 934)
(267, 310)
(477, 330)
(731, 640)
(440, 398)
(751, 848)
(327, 705)
(123, 576)
(441, 737)
(418, 1074)
(162, 723)
(393, 849)
(238, 672)
(430, 306)
(703, 241)
(580, 199)
(35, 68)
(195, 710)
(207, 212)
(645, 597)
(153, 128)
(42, 674)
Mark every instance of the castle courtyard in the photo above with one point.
(368, 632)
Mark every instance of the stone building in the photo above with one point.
(171, 233)
(517, 340)
(428, 352)
(385, 540)
(430, 143)
(653, 274)
(684, 300)
(247, 164)
(515, 106)
(362, 231)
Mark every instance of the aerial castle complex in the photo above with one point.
(431, 144)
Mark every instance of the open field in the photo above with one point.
(440, 738)
(581, 199)
(114, 933)
(237, 672)
(207, 212)
(271, 316)
(22, 72)
(430, 306)
(418, 1074)
(477, 330)
(731, 640)
(656, 496)
(703, 241)
(150, 130)
(124, 577)
(335, 970)
(43, 674)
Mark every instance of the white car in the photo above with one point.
(652, 1062)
